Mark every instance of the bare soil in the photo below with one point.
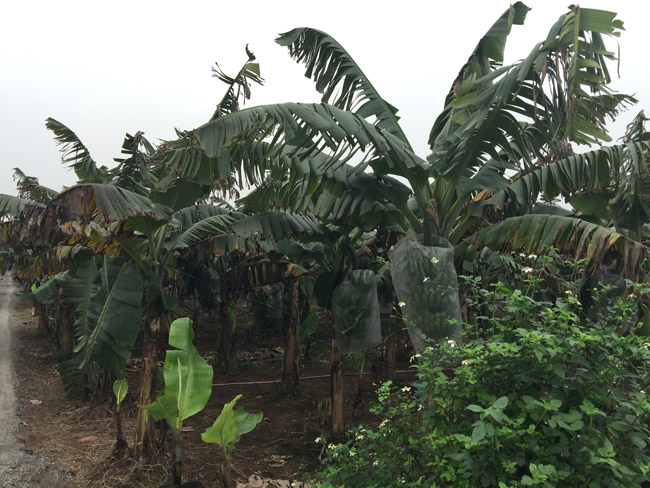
(19, 466)
(79, 436)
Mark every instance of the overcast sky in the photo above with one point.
(105, 69)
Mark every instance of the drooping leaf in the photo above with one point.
(214, 223)
(50, 287)
(12, 206)
(117, 313)
(533, 234)
(339, 78)
(316, 127)
(186, 217)
(108, 203)
(528, 110)
(611, 182)
(179, 194)
(278, 225)
(30, 189)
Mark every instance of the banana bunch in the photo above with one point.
(431, 291)
(268, 307)
(352, 303)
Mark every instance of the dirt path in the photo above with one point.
(18, 466)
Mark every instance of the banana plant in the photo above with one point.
(227, 430)
(126, 214)
(498, 119)
(120, 389)
(188, 386)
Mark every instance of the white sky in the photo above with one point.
(105, 69)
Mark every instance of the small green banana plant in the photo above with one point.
(120, 389)
(228, 429)
(188, 386)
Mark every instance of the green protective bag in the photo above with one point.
(356, 312)
(425, 281)
(268, 307)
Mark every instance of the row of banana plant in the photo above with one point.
(117, 240)
(337, 183)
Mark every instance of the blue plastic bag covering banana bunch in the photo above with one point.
(356, 312)
(426, 285)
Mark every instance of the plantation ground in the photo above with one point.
(19, 465)
(79, 437)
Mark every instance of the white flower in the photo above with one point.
(451, 342)
(384, 423)
(331, 446)
(426, 278)
(527, 269)
(429, 348)
(464, 362)
(631, 296)
(435, 260)
(420, 407)
(401, 304)
(375, 463)
(317, 440)
(358, 437)
(406, 388)
(646, 345)
(532, 256)
(352, 453)
(414, 357)
(522, 255)
(569, 292)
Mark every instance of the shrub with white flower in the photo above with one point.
(523, 412)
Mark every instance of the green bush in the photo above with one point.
(541, 395)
